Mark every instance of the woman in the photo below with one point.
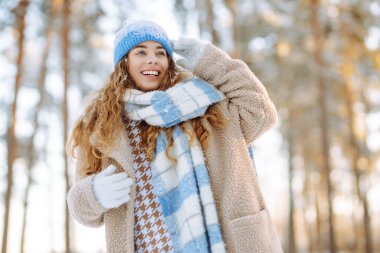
(162, 154)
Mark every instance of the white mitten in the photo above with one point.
(190, 50)
(112, 190)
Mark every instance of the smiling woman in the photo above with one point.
(162, 155)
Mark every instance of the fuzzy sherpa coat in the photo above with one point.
(245, 221)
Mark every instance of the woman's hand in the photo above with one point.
(112, 190)
(190, 50)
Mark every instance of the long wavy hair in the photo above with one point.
(102, 120)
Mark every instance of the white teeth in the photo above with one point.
(150, 72)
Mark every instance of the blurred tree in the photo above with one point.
(31, 150)
(20, 12)
(200, 7)
(318, 39)
(66, 75)
(352, 50)
(211, 21)
(289, 129)
(232, 7)
(181, 13)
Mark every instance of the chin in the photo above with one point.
(149, 88)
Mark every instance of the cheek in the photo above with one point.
(165, 65)
(132, 67)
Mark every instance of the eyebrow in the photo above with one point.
(145, 47)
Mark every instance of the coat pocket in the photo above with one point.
(253, 234)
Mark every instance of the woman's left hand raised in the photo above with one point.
(190, 50)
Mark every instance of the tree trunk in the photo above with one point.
(347, 69)
(372, 158)
(325, 160)
(318, 239)
(65, 55)
(31, 153)
(11, 135)
(291, 234)
(210, 23)
(367, 225)
(231, 5)
(358, 147)
(308, 196)
(199, 7)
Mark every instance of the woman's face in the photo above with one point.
(147, 65)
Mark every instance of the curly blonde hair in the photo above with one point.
(102, 118)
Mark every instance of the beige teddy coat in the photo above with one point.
(245, 222)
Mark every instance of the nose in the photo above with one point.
(152, 59)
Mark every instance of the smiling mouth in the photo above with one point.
(150, 73)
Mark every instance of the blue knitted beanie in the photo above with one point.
(135, 33)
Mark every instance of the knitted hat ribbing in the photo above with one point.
(133, 34)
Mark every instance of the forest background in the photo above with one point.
(319, 168)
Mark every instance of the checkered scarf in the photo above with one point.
(183, 188)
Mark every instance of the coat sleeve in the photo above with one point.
(244, 91)
(81, 200)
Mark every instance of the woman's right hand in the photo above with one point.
(112, 190)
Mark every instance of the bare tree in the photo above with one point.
(30, 147)
(232, 7)
(210, 22)
(356, 147)
(66, 60)
(20, 12)
(290, 140)
(325, 158)
(308, 195)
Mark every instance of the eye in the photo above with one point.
(161, 53)
(140, 52)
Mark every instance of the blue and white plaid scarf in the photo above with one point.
(183, 189)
